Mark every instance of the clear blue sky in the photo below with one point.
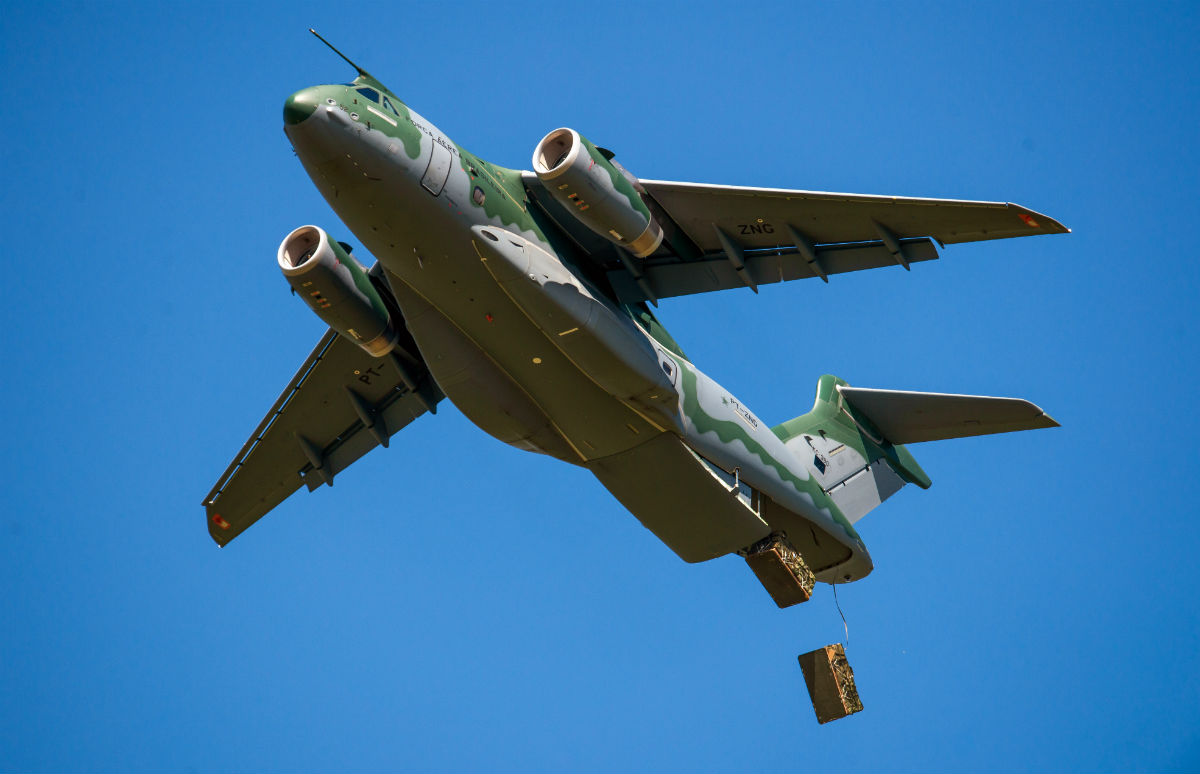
(454, 604)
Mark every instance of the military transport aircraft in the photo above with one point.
(525, 298)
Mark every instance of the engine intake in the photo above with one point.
(590, 186)
(337, 288)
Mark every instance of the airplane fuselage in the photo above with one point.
(530, 349)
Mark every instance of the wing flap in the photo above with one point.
(317, 428)
(716, 272)
(913, 417)
(403, 408)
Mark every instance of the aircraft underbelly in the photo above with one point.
(488, 345)
(507, 379)
(677, 497)
(495, 365)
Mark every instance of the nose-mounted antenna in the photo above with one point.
(361, 71)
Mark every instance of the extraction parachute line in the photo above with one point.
(845, 626)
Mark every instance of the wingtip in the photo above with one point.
(1041, 420)
(1038, 221)
(217, 526)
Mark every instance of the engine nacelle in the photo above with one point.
(337, 288)
(591, 187)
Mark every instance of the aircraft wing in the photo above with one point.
(720, 236)
(340, 404)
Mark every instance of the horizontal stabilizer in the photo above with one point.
(911, 417)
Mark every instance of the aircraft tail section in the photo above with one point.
(851, 460)
(913, 417)
(852, 440)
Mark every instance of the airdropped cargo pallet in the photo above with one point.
(781, 570)
(830, 683)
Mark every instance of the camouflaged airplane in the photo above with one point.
(525, 299)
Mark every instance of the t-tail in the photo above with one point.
(852, 441)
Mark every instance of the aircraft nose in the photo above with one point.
(300, 106)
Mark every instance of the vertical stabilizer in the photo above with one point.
(846, 454)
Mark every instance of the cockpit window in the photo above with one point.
(370, 94)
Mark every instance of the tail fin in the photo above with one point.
(846, 454)
(852, 439)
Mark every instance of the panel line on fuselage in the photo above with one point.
(627, 404)
(519, 384)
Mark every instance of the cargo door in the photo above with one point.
(438, 170)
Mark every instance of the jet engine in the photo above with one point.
(337, 288)
(596, 191)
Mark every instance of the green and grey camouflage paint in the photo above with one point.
(526, 345)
